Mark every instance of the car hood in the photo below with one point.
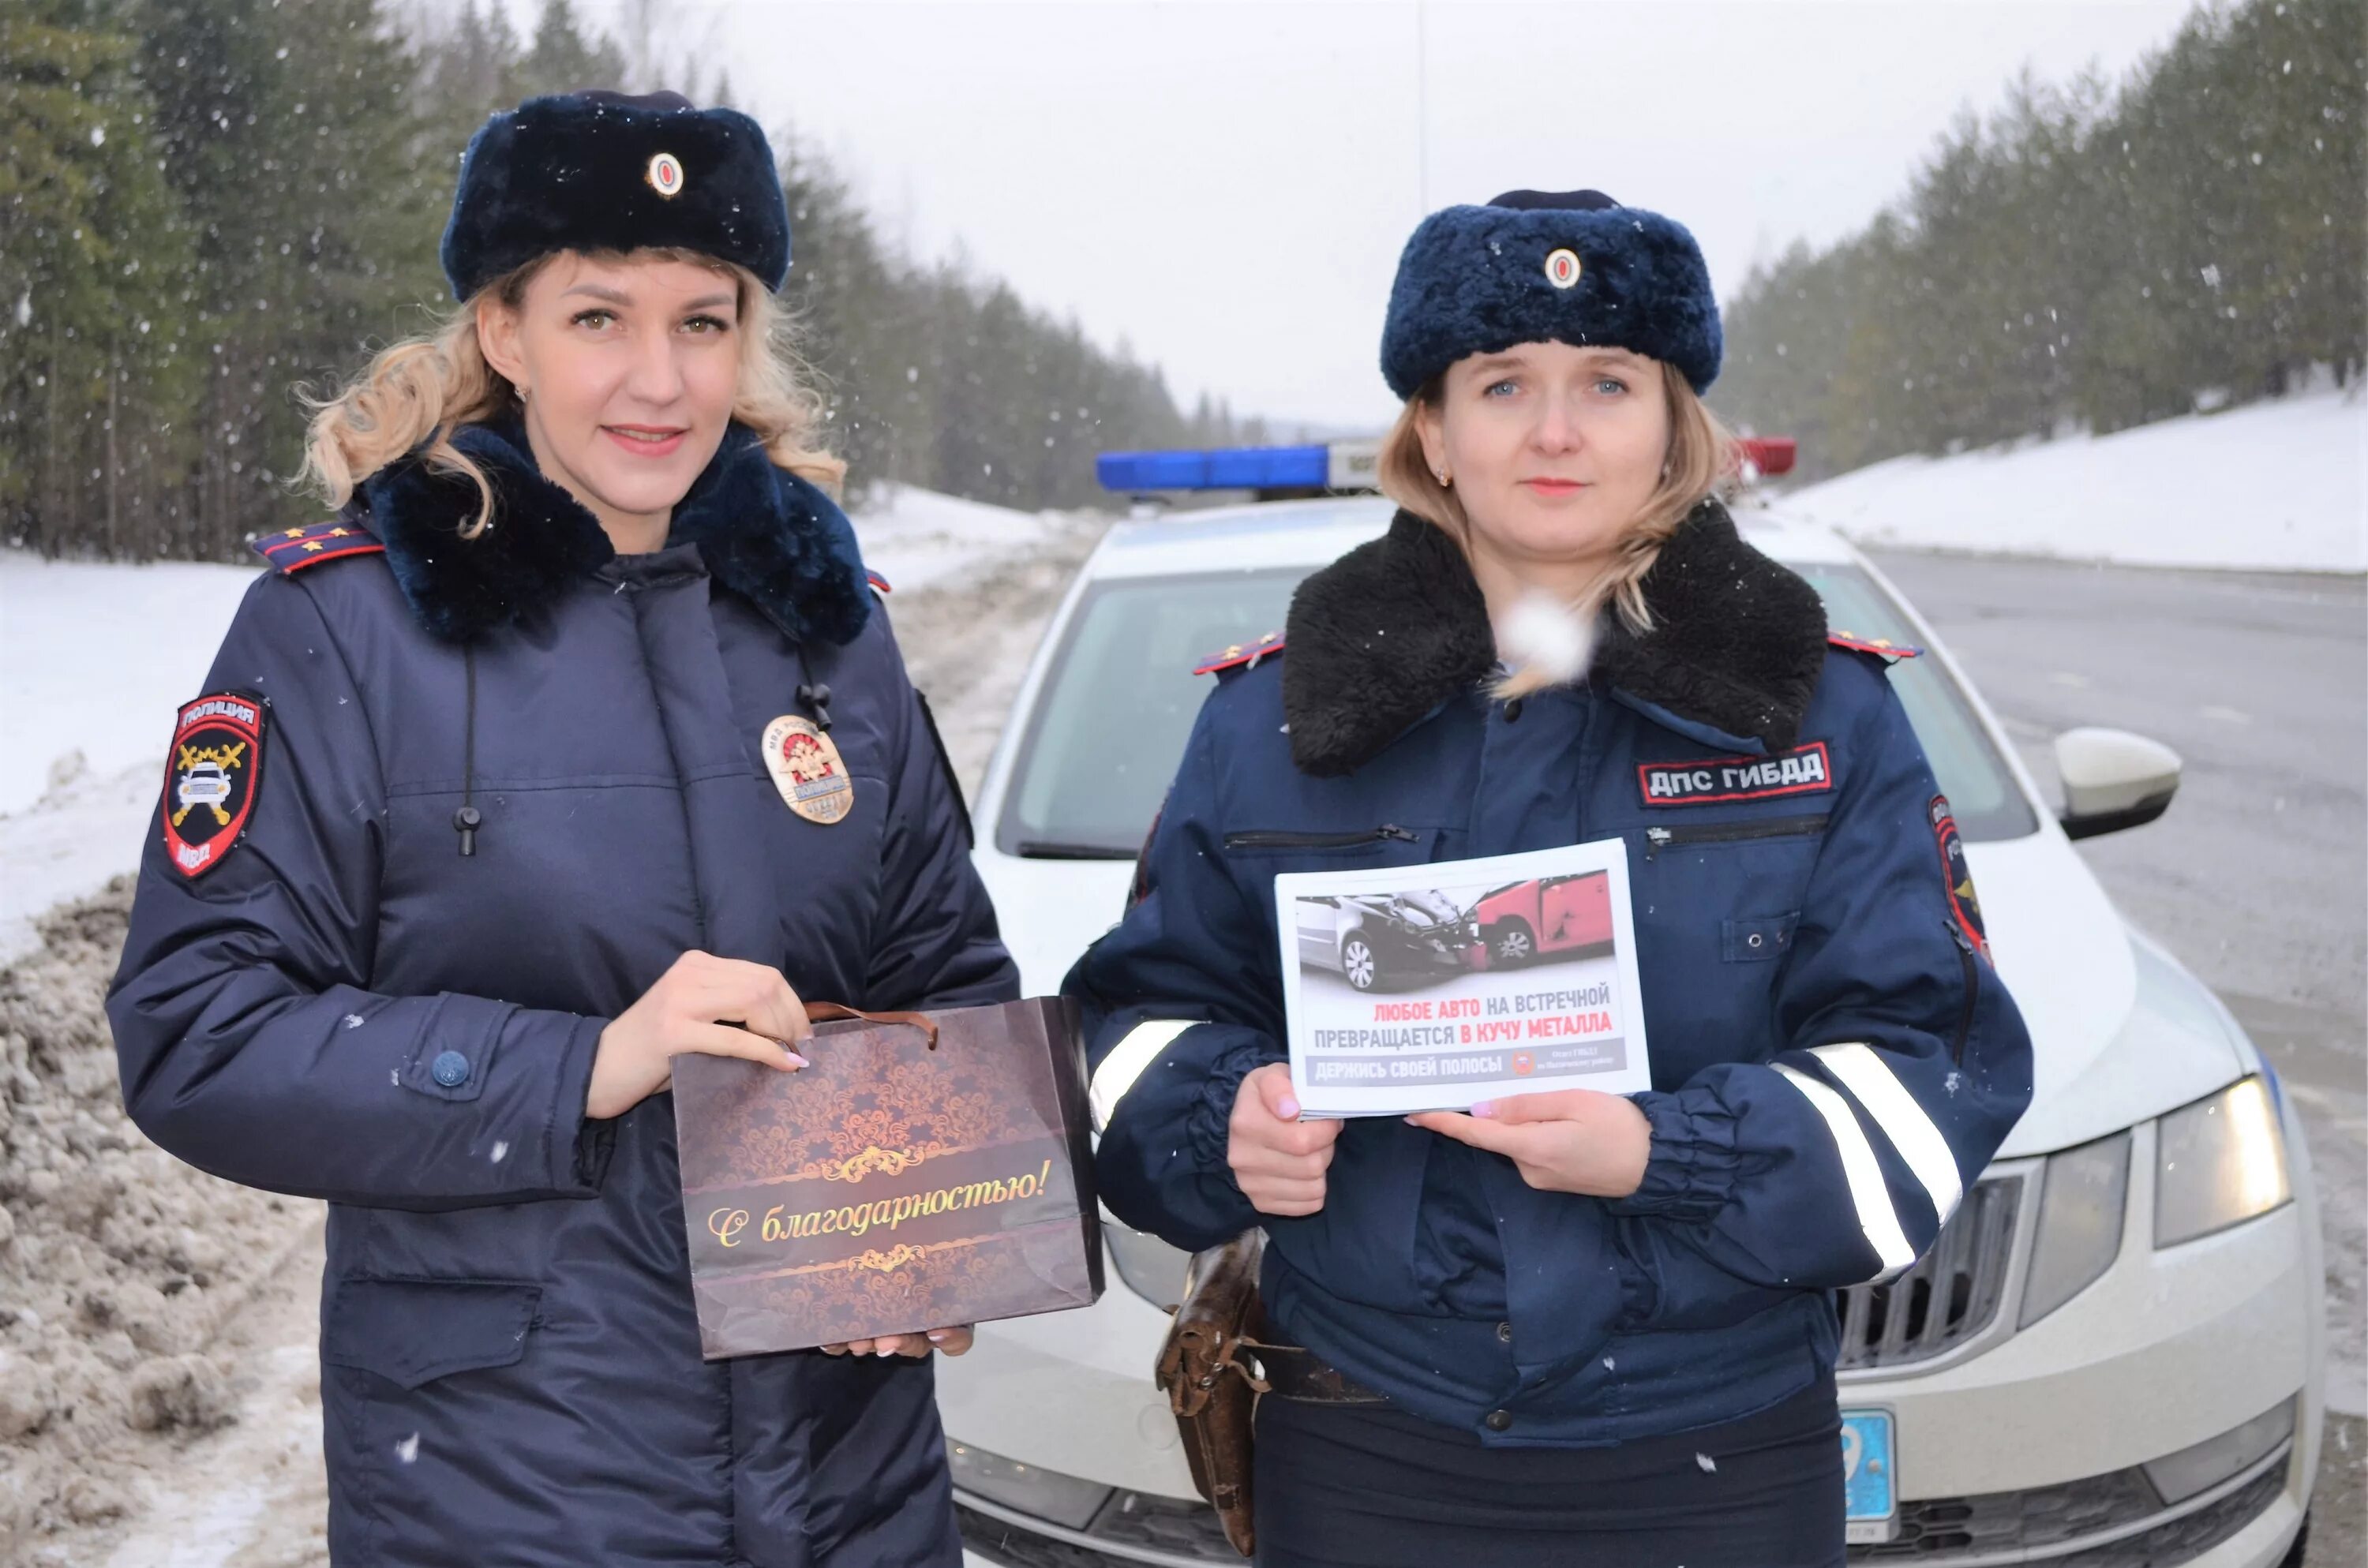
(2120, 1032)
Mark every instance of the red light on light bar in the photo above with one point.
(1771, 455)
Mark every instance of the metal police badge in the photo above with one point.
(665, 175)
(807, 769)
(1562, 268)
(210, 778)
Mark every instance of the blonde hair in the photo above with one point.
(424, 388)
(1702, 455)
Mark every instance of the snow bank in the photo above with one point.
(2280, 485)
(97, 658)
(94, 661)
(919, 539)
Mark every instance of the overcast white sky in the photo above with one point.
(1226, 186)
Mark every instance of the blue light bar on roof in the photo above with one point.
(1221, 468)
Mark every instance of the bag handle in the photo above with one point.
(825, 1011)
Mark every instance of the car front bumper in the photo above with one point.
(2019, 1445)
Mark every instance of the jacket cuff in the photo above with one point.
(579, 1147)
(1689, 1170)
(1209, 1128)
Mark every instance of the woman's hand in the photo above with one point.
(1579, 1141)
(692, 1008)
(950, 1341)
(1278, 1160)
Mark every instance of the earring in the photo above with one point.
(1443, 481)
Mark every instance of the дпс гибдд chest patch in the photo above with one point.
(1717, 780)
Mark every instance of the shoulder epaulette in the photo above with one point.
(293, 549)
(1883, 648)
(879, 583)
(1240, 654)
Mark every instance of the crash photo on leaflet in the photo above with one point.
(1435, 987)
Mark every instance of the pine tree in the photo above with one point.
(94, 261)
(2090, 256)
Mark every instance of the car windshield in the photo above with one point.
(1119, 700)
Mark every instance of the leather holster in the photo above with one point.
(1212, 1378)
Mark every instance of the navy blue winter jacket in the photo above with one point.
(1833, 1057)
(340, 1003)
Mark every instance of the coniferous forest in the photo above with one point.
(2091, 255)
(207, 203)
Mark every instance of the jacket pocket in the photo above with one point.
(1757, 938)
(1659, 838)
(1666, 1285)
(1291, 838)
(412, 1332)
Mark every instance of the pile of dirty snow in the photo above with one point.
(921, 538)
(120, 1266)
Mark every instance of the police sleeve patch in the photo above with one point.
(1723, 780)
(210, 777)
(1964, 906)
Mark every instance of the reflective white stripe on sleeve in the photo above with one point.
(1126, 1062)
(1869, 1192)
(1864, 1073)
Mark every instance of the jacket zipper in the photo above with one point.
(1269, 839)
(1973, 990)
(1658, 838)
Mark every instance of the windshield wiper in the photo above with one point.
(1052, 849)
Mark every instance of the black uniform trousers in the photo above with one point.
(1370, 1487)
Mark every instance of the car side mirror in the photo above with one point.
(2113, 780)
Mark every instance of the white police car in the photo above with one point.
(2113, 1355)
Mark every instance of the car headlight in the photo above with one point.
(2082, 1193)
(2219, 1162)
(1152, 1269)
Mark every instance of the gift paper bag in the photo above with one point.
(894, 1184)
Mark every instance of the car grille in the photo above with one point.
(1951, 1295)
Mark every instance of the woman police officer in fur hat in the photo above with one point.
(1568, 1327)
(476, 825)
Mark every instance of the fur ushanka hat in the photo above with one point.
(605, 171)
(1574, 266)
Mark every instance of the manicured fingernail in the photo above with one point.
(936, 1336)
(792, 1058)
(1411, 1121)
(1485, 1107)
(885, 1350)
(1289, 1107)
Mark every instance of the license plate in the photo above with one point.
(1869, 1468)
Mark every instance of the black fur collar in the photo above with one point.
(1388, 631)
(763, 532)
